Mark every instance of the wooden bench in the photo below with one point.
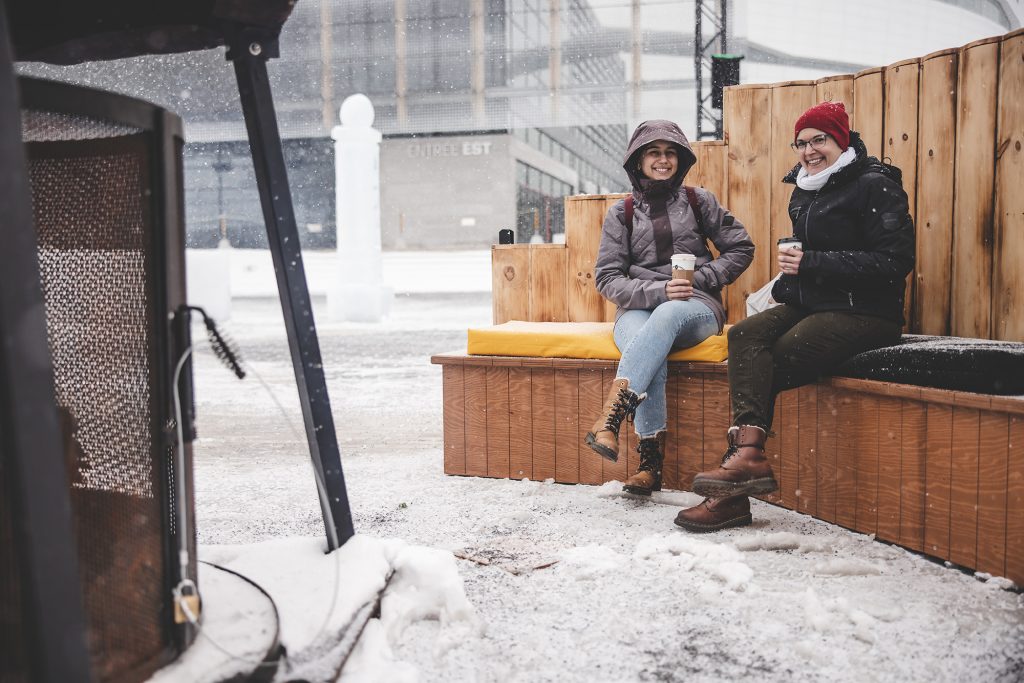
(936, 471)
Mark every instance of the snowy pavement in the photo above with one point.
(564, 583)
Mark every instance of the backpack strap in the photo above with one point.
(691, 196)
(628, 219)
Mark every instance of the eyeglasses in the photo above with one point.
(817, 142)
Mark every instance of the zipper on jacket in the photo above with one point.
(807, 234)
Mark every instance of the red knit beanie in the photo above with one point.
(828, 117)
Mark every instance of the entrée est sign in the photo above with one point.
(449, 149)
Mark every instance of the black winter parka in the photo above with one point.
(858, 241)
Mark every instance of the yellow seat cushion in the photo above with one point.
(573, 340)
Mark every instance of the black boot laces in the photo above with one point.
(731, 450)
(650, 456)
(625, 404)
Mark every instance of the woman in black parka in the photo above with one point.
(841, 294)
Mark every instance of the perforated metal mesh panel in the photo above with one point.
(91, 192)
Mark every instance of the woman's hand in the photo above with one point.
(679, 290)
(789, 260)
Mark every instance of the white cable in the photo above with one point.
(183, 555)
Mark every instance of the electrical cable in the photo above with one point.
(224, 349)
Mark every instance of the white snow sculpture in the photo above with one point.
(359, 294)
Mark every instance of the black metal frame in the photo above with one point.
(701, 61)
(30, 442)
(248, 49)
(165, 260)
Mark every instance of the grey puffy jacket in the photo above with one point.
(633, 276)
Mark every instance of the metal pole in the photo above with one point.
(249, 52)
(698, 76)
(34, 476)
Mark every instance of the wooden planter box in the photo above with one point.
(936, 471)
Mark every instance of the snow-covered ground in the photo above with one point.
(497, 580)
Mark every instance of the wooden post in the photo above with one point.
(1008, 235)
(974, 188)
(868, 96)
(901, 97)
(711, 171)
(584, 216)
(789, 101)
(936, 144)
(747, 114)
(510, 282)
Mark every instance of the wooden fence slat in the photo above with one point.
(497, 422)
(452, 388)
(476, 420)
(584, 216)
(902, 81)
(835, 89)
(938, 473)
(1008, 233)
(890, 435)
(711, 171)
(510, 282)
(689, 431)
(520, 424)
(1015, 503)
(868, 112)
(747, 117)
(807, 449)
(544, 418)
(787, 429)
(591, 401)
(912, 475)
(773, 451)
(670, 465)
(963, 504)
(867, 465)
(973, 201)
(936, 144)
(717, 418)
(826, 453)
(847, 439)
(993, 441)
(567, 438)
(548, 282)
(789, 101)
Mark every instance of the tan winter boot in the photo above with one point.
(744, 470)
(621, 403)
(648, 474)
(713, 514)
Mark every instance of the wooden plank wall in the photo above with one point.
(951, 121)
(932, 470)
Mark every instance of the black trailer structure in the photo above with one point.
(94, 331)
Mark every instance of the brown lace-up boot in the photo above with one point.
(648, 474)
(744, 470)
(713, 514)
(621, 403)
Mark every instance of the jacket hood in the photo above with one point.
(646, 133)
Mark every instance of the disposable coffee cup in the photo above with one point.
(682, 266)
(791, 243)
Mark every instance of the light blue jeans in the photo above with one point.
(645, 338)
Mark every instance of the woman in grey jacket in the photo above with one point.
(656, 313)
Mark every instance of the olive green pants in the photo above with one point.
(786, 347)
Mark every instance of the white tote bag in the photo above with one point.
(762, 300)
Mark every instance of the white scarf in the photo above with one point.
(817, 181)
